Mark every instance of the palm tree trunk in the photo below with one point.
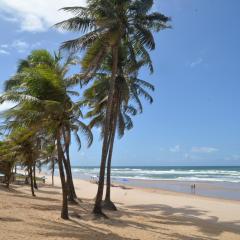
(34, 175)
(97, 207)
(53, 170)
(71, 184)
(8, 178)
(108, 204)
(72, 196)
(64, 212)
(31, 180)
(7, 182)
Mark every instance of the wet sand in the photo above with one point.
(222, 190)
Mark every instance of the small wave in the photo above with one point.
(178, 179)
(179, 174)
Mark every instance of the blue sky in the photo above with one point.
(195, 117)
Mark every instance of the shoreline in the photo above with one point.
(206, 189)
(161, 191)
(217, 190)
(211, 189)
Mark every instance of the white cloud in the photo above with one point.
(4, 52)
(196, 62)
(176, 148)
(204, 149)
(20, 46)
(36, 15)
(32, 23)
(4, 46)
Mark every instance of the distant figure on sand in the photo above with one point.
(94, 179)
(193, 188)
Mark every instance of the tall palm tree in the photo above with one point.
(96, 99)
(128, 91)
(40, 90)
(106, 24)
(43, 58)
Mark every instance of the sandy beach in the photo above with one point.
(126, 103)
(150, 214)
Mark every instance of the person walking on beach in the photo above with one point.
(193, 188)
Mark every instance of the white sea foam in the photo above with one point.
(218, 174)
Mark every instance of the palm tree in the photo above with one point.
(7, 161)
(40, 90)
(42, 57)
(128, 91)
(20, 145)
(49, 156)
(96, 99)
(106, 24)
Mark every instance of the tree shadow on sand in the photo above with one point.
(11, 189)
(75, 230)
(157, 219)
(51, 192)
(186, 216)
(39, 198)
(10, 219)
(154, 218)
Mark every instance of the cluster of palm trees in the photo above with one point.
(117, 36)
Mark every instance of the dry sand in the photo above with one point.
(143, 214)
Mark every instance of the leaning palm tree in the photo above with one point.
(41, 94)
(20, 145)
(43, 58)
(106, 24)
(7, 161)
(127, 103)
(96, 100)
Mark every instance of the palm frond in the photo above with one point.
(76, 24)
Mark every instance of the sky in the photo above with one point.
(195, 117)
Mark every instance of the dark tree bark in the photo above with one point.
(108, 204)
(8, 178)
(72, 196)
(53, 170)
(64, 212)
(31, 180)
(97, 207)
(70, 185)
(34, 176)
(7, 182)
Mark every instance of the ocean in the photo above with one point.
(192, 174)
